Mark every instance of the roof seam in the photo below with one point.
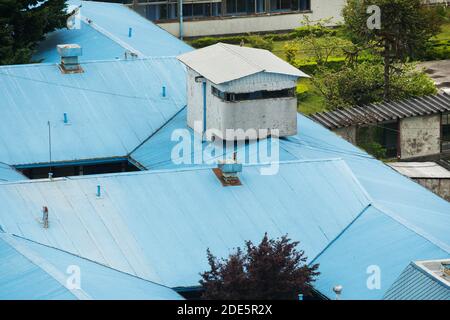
(89, 260)
(44, 265)
(341, 233)
(443, 246)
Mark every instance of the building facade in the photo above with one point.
(222, 17)
(416, 128)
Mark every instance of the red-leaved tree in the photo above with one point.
(274, 269)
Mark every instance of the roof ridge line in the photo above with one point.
(156, 131)
(230, 49)
(44, 265)
(443, 246)
(341, 233)
(109, 35)
(87, 259)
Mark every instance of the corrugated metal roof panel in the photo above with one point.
(106, 37)
(417, 284)
(112, 107)
(146, 223)
(373, 242)
(420, 169)
(31, 271)
(383, 111)
(222, 62)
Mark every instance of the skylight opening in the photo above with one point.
(68, 170)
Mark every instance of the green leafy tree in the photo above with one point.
(318, 42)
(274, 269)
(290, 51)
(405, 26)
(23, 23)
(362, 84)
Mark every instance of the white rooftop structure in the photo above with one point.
(420, 169)
(222, 63)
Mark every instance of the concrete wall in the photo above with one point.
(420, 136)
(262, 23)
(348, 133)
(441, 187)
(280, 113)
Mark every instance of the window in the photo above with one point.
(161, 11)
(380, 139)
(195, 10)
(289, 5)
(445, 142)
(241, 6)
(256, 95)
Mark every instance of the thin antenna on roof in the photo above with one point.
(50, 173)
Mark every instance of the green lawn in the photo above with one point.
(445, 32)
(310, 99)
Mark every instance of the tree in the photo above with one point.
(320, 42)
(274, 269)
(405, 26)
(23, 23)
(362, 84)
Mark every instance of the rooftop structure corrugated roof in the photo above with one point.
(31, 271)
(378, 112)
(104, 35)
(421, 280)
(420, 169)
(222, 63)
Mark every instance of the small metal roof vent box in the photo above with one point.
(227, 171)
(69, 54)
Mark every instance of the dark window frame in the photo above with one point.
(255, 95)
(445, 131)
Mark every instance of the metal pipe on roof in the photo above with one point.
(181, 18)
(204, 108)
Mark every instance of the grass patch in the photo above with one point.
(310, 100)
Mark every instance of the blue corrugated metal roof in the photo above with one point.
(402, 211)
(106, 36)
(7, 173)
(416, 284)
(112, 107)
(29, 270)
(374, 239)
(146, 223)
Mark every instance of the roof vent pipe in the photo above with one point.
(69, 54)
(338, 290)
